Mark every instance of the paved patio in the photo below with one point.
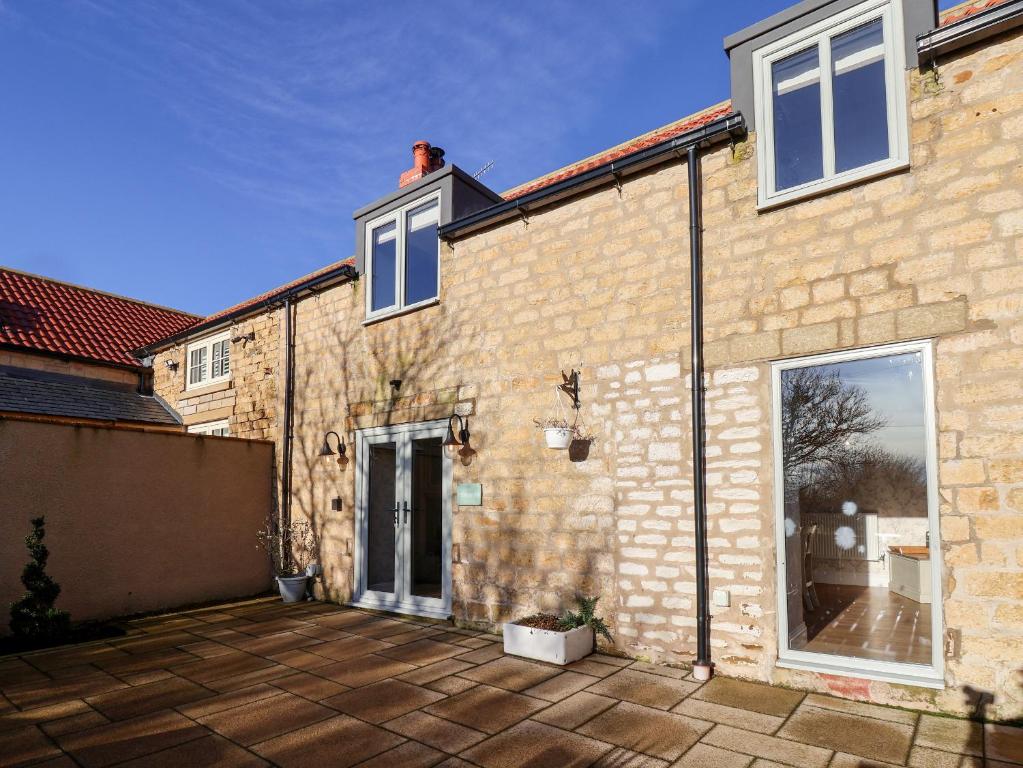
(256, 683)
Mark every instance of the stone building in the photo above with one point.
(862, 279)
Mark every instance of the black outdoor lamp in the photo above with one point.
(326, 450)
(458, 447)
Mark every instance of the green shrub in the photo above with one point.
(586, 617)
(33, 617)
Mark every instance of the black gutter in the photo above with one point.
(703, 668)
(717, 130)
(343, 271)
(970, 30)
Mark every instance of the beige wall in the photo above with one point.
(53, 364)
(136, 520)
(600, 284)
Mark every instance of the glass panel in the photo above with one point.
(380, 528)
(855, 516)
(197, 365)
(220, 364)
(384, 266)
(426, 530)
(798, 144)
(860, 98)
(421, 253)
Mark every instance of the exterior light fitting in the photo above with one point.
(326, 450)
(460, 446)
(171, 364)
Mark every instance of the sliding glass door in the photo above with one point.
(403, 520)
(856, 506)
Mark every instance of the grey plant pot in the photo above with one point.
(292, 587)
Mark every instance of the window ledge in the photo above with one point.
(206, 389)
(819, 189)
(402, 311)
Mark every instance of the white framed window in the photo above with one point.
(830, 103)
(856, 514)
(208, 361)
(217, 428)
(403, 258)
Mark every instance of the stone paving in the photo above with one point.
(259, 683)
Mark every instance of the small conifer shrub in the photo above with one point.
(34, 619)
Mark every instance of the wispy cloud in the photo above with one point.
(314, 105)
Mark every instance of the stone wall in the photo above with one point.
(599, 284)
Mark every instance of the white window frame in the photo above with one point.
(208, 343)
(890, 13)
(929, 676)
(399, 217)
(208, 427)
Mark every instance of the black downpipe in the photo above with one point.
(704, 667)
(289, 384)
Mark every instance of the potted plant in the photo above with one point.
(556, 432)
(546, 637)
(291, 549)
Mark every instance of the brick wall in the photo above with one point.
(600, 284)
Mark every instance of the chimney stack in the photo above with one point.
(425, 160)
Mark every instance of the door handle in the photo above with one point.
(395, 511)
(406, 511)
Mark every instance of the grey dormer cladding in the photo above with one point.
(919, 17)
(460, 195)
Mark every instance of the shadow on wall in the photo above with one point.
(344, 370)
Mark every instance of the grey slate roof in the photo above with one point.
(26, 391)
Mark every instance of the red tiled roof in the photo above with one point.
(656, 136)
(262, 298)
(965, 10)
(37, 313)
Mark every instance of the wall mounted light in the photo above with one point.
(172, 365)
(250, 336)
(459, 446)
(326, 450)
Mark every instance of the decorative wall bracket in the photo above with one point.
(570, 387)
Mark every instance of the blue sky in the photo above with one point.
(195, 153)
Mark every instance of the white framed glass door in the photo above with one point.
(403, 520)
(858, 544)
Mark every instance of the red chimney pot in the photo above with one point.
(425, 160)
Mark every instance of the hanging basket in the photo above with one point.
(557, 432)
(558, 438)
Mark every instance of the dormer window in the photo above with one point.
(208, 361)
(402, 258)
(831, 103)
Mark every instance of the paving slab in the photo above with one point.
(756, 697)
(143, 699)
(411, 754)
(21, 746)
(767, 747)
(1004, 743)
(510, 673)
(950, 735)
(534, 744)
(129, 739)
(208, 752)
(561, 686)
(382, 701)
(646, 730)
(718, 713)
(486, 708)
(705, 756)
(338, 742)
(855, 734)
(619, 757)
(309, 686)
(643, 688)
(363, 670)
(266, 718)
(422, 652)
(435, 731)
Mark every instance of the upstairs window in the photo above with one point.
(208, 361)
(831, 103)
(402, 259)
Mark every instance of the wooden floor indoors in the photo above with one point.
(869, 623)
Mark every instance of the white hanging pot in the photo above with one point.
(558, 438)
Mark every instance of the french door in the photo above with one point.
(403, 520)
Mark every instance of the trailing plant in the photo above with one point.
(291, 547)
(552, 422)
(586, 617)
(34, 617)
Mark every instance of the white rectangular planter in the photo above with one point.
(546, 645)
